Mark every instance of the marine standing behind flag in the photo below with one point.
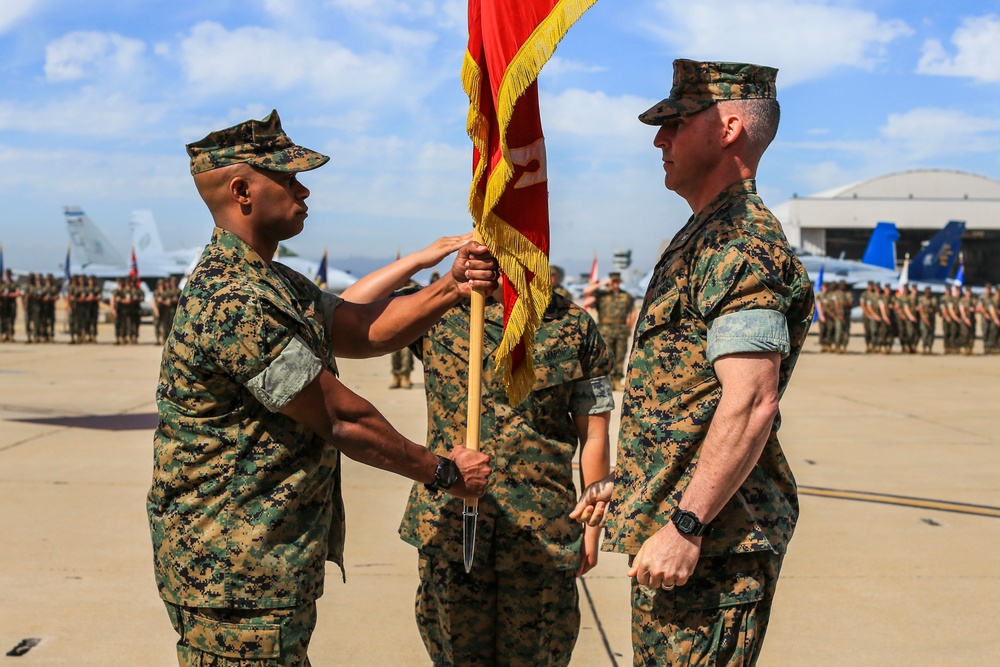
(509, 42)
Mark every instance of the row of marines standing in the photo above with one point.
(909, 315)
(38, 298)
(39, 295)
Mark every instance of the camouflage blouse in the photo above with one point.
(524, 516)
(727, 283)
(243, 499)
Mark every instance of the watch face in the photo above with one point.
(685, 523)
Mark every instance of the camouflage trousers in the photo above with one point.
(717, 619)
(528, 617)
(616, 338)
(402, 361)
(243, 637)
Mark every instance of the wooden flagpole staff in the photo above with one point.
(477, 317)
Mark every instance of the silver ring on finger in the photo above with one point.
(666, 587)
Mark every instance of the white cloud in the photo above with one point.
(977, 52)
(91, 55)
(107, 116)
(805, 40)
(557, 66)
(595, 114)
(12, 11)
(221, 62)
(928, 132)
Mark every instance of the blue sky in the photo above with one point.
(99, 98)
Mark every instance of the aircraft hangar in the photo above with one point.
(838, 222)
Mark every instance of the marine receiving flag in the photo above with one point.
(509, 42)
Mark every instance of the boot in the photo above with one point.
(404, 381)
(396, 381)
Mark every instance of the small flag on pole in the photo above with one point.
(133, 267)
(960, 276)
(904, 275)
(66, 273)
(320, 278)
(819, 287)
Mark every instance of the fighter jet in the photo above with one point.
(931, 267)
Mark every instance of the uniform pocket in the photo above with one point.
(241, 641)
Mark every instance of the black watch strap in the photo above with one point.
(445, 474)
(688, 523)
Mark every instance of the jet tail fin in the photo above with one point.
(881, 250)
(89, 245)
(145, 234)
(935, 261)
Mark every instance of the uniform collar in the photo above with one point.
(697, 221)
(256, 270)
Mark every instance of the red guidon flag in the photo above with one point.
(509, 42)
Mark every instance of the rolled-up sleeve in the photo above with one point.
(281, 381)
(748, 331)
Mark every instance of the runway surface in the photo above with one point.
(894, 561)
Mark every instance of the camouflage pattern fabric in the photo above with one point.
(524, 516)
(699, 85)
(243, 638)
(402, 361)
(732, 257)
(523, 617)
(563, 292)
(261, 143)
(718, 619)
(929, 308)
(9, 293)
(613, 309)
(244, 501)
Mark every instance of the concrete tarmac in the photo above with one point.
(878, 581)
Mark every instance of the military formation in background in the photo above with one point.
(911, 317)
(10, 292)
(165, 298)
(83, 301)
(126, 304)
(36, 297)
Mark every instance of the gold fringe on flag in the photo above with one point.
(516, 254)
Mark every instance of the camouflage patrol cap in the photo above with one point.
(699, 85)
(261, 143)
(614, 275)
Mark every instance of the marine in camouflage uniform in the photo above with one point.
(401, 361)
(988, 315)
(9, 294)
(120, 311)
(556, 275)
(823, 317)
(846, 303)
(993, 308)
(518, 606)
(245, 505)
(967, 321)
(927, 310)
(725, 316)
(30, 305)
(615, 311)
(908, 323)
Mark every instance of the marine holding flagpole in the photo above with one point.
(245, 505)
